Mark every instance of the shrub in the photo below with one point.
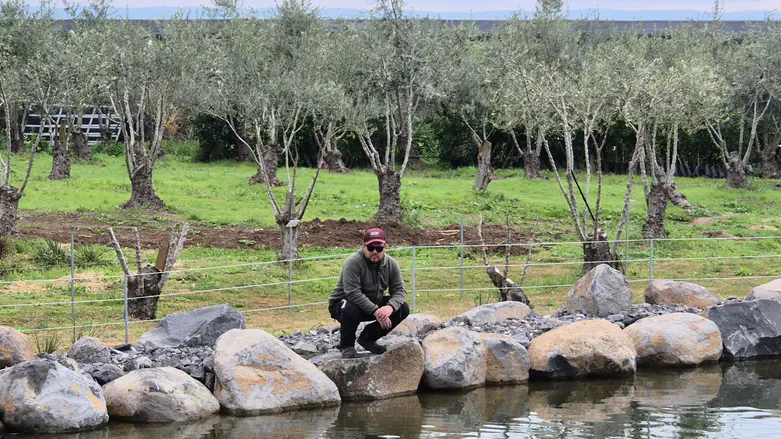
(90, 254)
(50, 253)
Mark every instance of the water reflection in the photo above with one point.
(720, 401)
(396, 417)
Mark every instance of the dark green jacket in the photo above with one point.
(363, 283)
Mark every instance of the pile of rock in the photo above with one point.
(196, 364)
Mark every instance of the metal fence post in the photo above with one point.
(414, 280)
(73, 291)
(289, 281)
(462, 255)
(626, 250)
(651, 262)
(126, 310)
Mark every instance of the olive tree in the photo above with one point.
(751, 66)
(391, 70)
(143, 83)
(265, 74)
(27, 80)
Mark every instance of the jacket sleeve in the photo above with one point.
(351, 282)
(396, 288)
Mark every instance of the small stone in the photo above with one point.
(106, 373)
(143, 362)
(90, 350)
(208, 381)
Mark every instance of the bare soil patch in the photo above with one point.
(89, 229)
(93, 283)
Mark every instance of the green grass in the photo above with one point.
(218, 194)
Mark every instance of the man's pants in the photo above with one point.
(350, 316)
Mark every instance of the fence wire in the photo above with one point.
(644, 263)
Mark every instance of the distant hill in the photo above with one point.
(162, 12)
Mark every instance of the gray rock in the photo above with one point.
(306, 350)
(106, 373)
(42, 396)
(90, 350)
(770, 290)
(601, 292)
(418, 325)
(455, 359)
(201, 327)
(143, 362)
(258, 374)
(678, 339)
(749, 329)
(507, 360)
(494, 313)
(14, 347)
(159, 395)
(396, 372)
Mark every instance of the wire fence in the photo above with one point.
(447, 277)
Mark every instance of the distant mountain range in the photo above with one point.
(163, 12)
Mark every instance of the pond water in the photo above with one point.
(725, 401)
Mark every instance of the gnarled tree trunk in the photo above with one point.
(289, 241)
(771, 162)
(657, 208)
(17, 137)
(9, 204)
(270, 163)
(484, 172)
(147, 286)
(142, 192)
(531, 165)
(81, 145)
(736, 175)
(597, 252)
(61, 161)
(390, 196)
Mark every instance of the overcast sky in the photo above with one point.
(495, 5)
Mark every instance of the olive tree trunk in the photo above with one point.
(657, 208)
(390, 196)
(484, 172)
(81, 145)
(531, 165)
(17, 137)
(146, 286)
(597, 251)
(142, 192)
(270, 162)
(289, 241)
(9, 204)
(736, 175)
(61, 161)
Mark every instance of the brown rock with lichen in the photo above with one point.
(14, 347)
(455, 359)
(669, 292)
(581, 349)
(678, 339)
(257, 374)
(507, 360)
(396, 372)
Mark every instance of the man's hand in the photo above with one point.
(383, 316)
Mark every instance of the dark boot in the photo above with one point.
(371, 345)
(349, 353)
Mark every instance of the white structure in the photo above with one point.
(90, 124)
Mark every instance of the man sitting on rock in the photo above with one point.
(358, 296)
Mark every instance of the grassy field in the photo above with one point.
(217, 195)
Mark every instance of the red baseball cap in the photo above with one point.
(373, 235)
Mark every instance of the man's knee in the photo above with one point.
(402, 312)
(352, 312)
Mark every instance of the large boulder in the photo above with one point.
(749, 329)
(768, 291)
(42, 396)
(396, 372)
(257, 374)
(159, 395)
(507, 360)
(90, 350)
(494, 313)
(455, 359)
(670, 292)
(14, 347)
(601, 292)
(678, 339)
(201, 327)
(580, 349)
(417, 325)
